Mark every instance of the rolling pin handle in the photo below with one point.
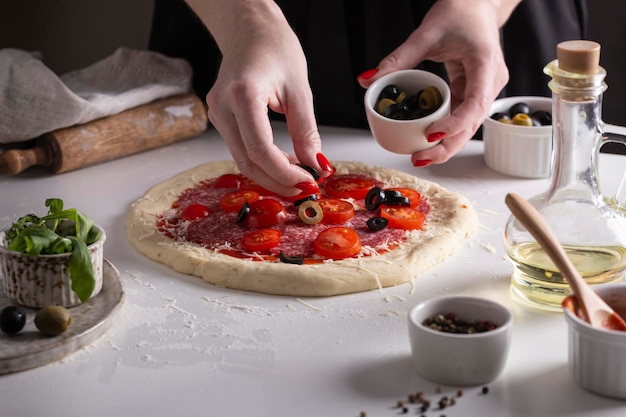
(15, 161)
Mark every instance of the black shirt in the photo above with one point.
(342, 38)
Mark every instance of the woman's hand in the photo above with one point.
(263, 67)
(464, 35)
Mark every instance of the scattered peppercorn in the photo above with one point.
(450, 323)
(485, 390)
(405, 410)
(363, 414)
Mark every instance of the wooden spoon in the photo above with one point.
(595, 310)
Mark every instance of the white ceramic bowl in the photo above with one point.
(41, 281)
(460, 359)
(597, 357)
(405, 136)
(518, 151)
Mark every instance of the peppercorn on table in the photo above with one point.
(180, 345)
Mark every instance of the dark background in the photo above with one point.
(72, 34)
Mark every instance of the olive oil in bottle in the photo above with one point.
(592, 232)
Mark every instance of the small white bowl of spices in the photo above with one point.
(460, 340)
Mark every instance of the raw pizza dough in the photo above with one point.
(450, 220)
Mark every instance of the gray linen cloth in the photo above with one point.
(34, 100)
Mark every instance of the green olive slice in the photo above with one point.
(310, 212)
(430, 98)
(382, 105)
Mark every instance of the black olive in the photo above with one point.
(398, 111)
(243, 212)
(310, 170)
(390, 91)
(500, 115)
(377, 223)
(413, 102)
(291, 259)
(397, 201)
(389, 194)
(374, 198)
(311, 197)
(12, 320)
(519, 108)
(544, 118)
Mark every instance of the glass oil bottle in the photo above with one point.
(592, 232)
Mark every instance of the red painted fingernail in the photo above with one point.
(323, 161)
(307, 187)
(436, 136)
(422, 162)
(366, 75)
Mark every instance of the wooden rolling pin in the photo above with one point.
(148, 126)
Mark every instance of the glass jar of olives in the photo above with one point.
(592, 232)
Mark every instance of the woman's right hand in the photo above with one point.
(263, 67)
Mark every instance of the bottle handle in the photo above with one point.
(617, 134)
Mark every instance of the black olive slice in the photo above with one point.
(291, 259)
(397, 201)
(519, 108)
(389, 194)
(543, 117)
(311, 197)
(377, 223)
(398, 111)
(310, 170)
(391, 91)
(243, 212)
(374, 198)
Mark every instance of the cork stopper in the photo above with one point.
(579, 56)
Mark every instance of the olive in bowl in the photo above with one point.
(520, 148)
(401, 129)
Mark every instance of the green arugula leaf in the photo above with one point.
(81, 270)
(33, 240)
(60, 231)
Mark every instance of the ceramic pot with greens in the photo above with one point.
(52, 260)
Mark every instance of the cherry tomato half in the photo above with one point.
(335, 210)
(194, 211)
(346, 187)
(337, 243)
(413, 196)
(406, 218)
(233, 201)
(228, 181)
(265, 213)
(261, 240)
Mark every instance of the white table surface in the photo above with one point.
(183, 347)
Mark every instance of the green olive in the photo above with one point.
(53, 320)
(430, 98)
(505, 120)
(522, 119)
(310, 212)
(382, 105)
(401, 97)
